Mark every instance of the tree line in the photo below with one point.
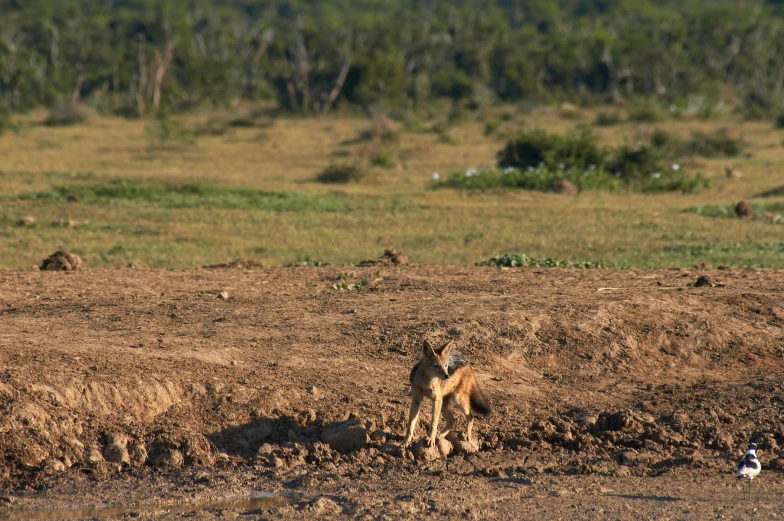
(142, 57)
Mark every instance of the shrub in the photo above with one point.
(720, 143)
(215, 127)
(644, 113)
(578, 149)
(380, 129)
(341, 174)
(524, 261)
(536, 160)
(383, 159)
(6, 121)
(167, 131)
(64, 113)
(446, 139)
(665, 141)
(779, 121)
(308, 262)
(491, 127)
(451, 83)
(607, 118)
(635, 162)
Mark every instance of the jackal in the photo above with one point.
(441, 376)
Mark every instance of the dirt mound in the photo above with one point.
(62, 261)
(744, 210)
(564, 187)
(390, 257)
(630, 372)
(705, 281)
(239, 263)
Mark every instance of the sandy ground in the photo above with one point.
(616, 394)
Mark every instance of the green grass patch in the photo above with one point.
(192, 195)
(508, 260)
(539, 178)
(774, 212)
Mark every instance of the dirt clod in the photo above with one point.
(390, 257)
(444, 447)
(461, 446)
(93, 456)
(345, 436)
(564, 187)
(424, 452)
(116, 453)
(51, 465)
(322, 506)
(137, 454)
(744, 210)
(704, 281)
(62, 261)
(239, 263)
(173, 458)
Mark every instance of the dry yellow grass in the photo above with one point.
(392, 208)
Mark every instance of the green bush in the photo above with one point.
(607, 118)
(536, 148)
(644, 113)
(491, 127)
(633, 162)
(524, 261)
(380, 129)
(64, 113)
(666, 141)
(7, 122)
(341, 174)
(779, 121)
(383, 159)
(215, 127)
(446, 139)
(452, 83)
(167, 131)
(536, 160)
(720, 143)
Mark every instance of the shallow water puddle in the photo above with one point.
(245, 503)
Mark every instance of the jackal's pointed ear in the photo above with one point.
(427, 348)
(444, 349)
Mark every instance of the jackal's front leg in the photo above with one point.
(413, 416)
(437, 403)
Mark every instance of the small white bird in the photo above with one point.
(749, 466)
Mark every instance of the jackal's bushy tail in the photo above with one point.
(479, 403)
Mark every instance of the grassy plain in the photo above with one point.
(111, 193)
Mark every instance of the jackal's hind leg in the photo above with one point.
(465, 406)
(448, 416)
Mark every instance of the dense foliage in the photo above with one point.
(136, 57)
(538, 160)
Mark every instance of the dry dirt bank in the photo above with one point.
(596, 377)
